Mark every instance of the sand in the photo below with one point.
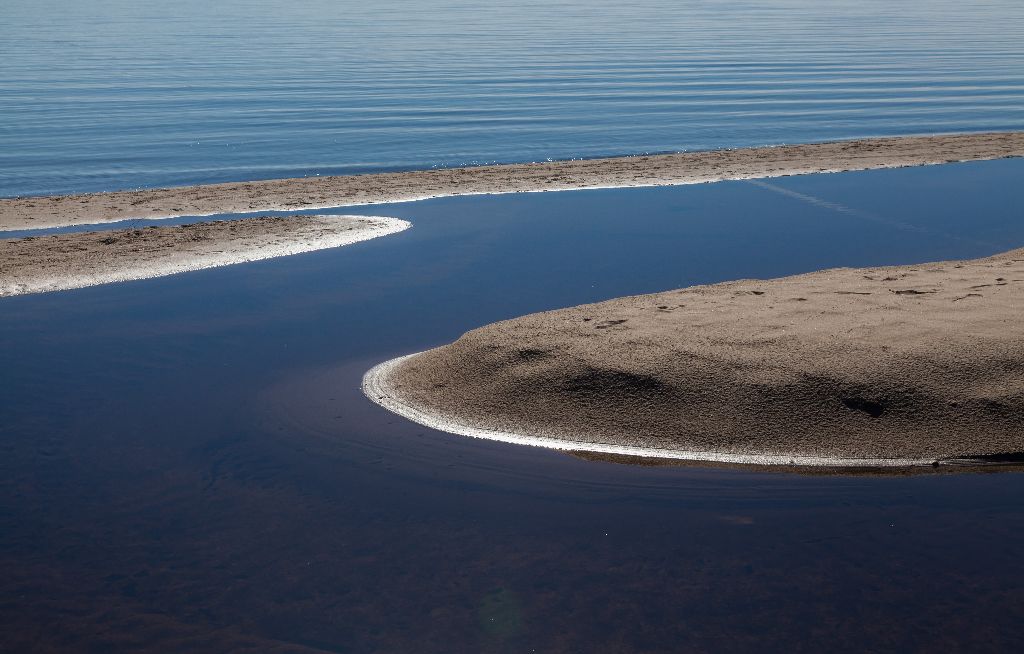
(65, 261)
(874, 367)
(654, 170)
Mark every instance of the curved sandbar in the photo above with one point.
(653, 170)
(871, 367)
(38, 264)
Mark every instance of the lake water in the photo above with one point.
(187, 463)
(111, 94)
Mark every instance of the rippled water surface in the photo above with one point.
(115, 94)
(187, 463)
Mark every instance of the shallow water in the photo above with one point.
(188, 461)
(113, 94)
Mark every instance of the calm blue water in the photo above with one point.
(110, 94)
(187, 463)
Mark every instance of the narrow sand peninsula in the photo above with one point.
(655, 170)
(871, 367)
(65, 261)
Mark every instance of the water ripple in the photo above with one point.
(111, 94)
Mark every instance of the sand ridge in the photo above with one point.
(873, 367)
(38, 264)
(632, 171)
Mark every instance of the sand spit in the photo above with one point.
(874, 367)
(64, 261)
(654, 170)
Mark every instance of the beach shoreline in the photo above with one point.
(313, 193)
(39, 264)
(377, 387)
(875, 368)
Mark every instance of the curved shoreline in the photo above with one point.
(310, 193)
(40, 264)
(883, 367)
(376, 387)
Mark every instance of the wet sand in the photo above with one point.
(654, 170)
(872, 367)
(66, 261)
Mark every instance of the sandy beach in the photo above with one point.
(654, 170)
(66, 261)
(873, 367)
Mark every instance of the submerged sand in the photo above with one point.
(890, 366)
(65, 261)
(654, 170)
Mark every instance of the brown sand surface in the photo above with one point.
(65, 261)
(654, 170)
(859, 367)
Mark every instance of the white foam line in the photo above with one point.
(382, 226)
(376, 387)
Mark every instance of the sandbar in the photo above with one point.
(55, 262)
(618, 172)
(851, 367)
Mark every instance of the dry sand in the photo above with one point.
(64, 261)
(654, 170)
(874, 367)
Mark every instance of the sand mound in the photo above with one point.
(37, 264)
(881, 366)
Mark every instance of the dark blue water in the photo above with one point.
(187, 464)
(111, 94)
